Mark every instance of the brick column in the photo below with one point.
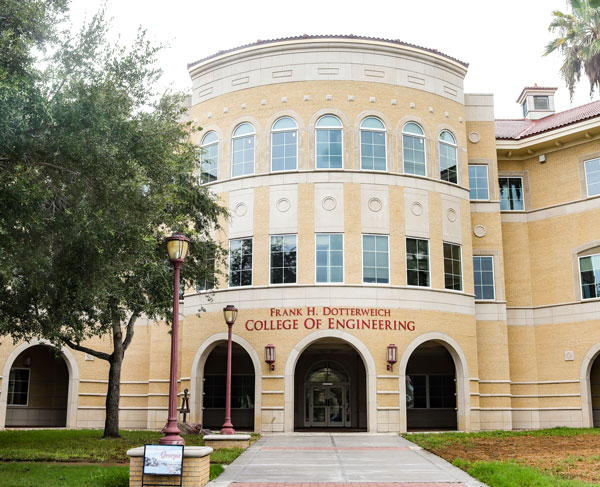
(196, 468)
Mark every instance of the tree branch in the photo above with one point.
(130, 326)
(80, 348)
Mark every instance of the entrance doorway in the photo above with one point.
(595, 391)
(38, 387)
(330, 393)
(242, 388)
(431, 389)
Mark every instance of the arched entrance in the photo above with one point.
(589, 380)
(431, 389)
(37, 392)
(595, 392)
(429, 344)
(242, 388)
(330, 390)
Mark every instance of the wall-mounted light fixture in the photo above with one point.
(392, 356)
(270, 356)
(27, 361)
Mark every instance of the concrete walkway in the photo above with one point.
(342, 459)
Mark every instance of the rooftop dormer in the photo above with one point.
(537, 102)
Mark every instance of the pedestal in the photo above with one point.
(196, 468)
(227, 441)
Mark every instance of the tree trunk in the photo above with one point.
(113, 395)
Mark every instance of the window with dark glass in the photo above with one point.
(478, 182)
(283, 259)
(18, 387)
(240, 262)
(483, 273)
(210, 157)
(413, 149)
(452, 267)
(209, 271)
(284, 145)
(511, 193)
(376, 267)
(589, 269)
(448, 156)
(328, 133)
(417, 262)
(242, 391)
(372, 144)
(430, 391)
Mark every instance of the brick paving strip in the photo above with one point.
(348, 484)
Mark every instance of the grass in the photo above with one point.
(509, 474)
(22, 451)
(431, 441)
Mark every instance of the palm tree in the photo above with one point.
(578, 42)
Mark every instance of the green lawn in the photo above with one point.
(556, 457)
(21, 454)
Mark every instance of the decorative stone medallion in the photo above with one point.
(283, 205)
(240, 209)
(329, 203)
(375, 204)
(451, 215)
(569, 355)
(479, 231)
(474, 137)
(416, 208)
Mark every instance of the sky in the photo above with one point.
(502, 41)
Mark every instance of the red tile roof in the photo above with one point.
(517, 129)
(314, 37)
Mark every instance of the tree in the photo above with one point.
(96, 169)
(578, 42)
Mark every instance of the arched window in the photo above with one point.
(243, 150)
(372, 144)
(284, 145)
(210, 157)
(448, 168)
(413, 145)
(329, 142)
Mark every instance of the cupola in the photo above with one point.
(537, 102)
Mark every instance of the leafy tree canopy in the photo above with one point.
(578, 42)
(96, 169)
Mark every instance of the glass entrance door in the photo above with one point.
(328, 406)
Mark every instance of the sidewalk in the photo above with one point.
(336, 460)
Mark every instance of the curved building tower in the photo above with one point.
(344, 164)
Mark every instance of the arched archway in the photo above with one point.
(443, 352)
(344, 352)
(589, 380)
(247, 369)
(40, 387)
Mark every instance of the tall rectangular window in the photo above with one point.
(483, 273)
(592, 176)
(18, 387)
(417, 262)
(284, 145)
(208, 269)
(452, 267)
(511, 193)
(283, 259)
(589, 268)
(240, 262)
(376, 265)
(478, 182)
(330, 257)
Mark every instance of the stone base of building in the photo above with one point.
(227, 441)
(196, 468)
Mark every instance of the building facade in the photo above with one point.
(413, 262)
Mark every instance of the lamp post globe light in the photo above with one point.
(177, 248)
(230, 314)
